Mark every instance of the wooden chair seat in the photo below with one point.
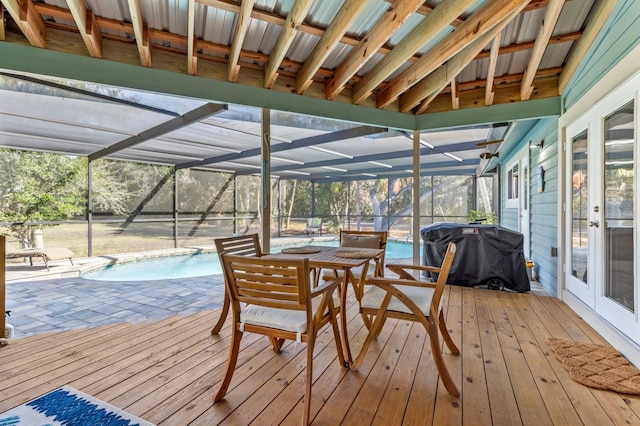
(407, 298)
(420, 296)
(274, 297)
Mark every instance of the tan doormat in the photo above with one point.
(597, 366)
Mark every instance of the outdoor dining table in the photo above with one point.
(336, 258)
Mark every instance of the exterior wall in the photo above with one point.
(543, 229)
(615, 42)
(544, 203)
(611, 61)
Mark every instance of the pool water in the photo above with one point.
(199, 264)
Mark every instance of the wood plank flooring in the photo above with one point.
(167, 372)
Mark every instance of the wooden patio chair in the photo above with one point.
(273, 297)
(245, 245)
(407, 298)
(375, 268)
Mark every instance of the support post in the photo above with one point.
(89, 210)
(416, 198)
(175, 208)
(266, 180)
(3, 281)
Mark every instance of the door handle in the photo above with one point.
(594, 223)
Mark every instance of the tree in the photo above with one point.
(44, 187)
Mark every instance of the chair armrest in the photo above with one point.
(399, 281)
(326, 287)
(400, 269)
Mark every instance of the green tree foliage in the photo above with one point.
(39, 187)
(45, 187)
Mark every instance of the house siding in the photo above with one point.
(620, 35)
(544, 204)
(543, 229)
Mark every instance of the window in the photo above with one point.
(513, 186)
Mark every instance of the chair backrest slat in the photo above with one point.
(278, 283)
(244, 245)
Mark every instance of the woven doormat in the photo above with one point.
(597, 366)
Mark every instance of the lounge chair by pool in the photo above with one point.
(47, 254)
(314, 225)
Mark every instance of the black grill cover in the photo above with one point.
(485, 254)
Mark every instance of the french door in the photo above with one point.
(600, 201)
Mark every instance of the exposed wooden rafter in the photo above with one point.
(242, 25)
(491, 72)
(542, 40)
(434, 83)
(295, 17)
(387, 25)
(473, 28)
(141, 31)
(86, 23)
(192, 52)
(2, 36)
(28, 20)
(455, 95)
(346, 15)
(425, 31)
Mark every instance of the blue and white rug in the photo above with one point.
(69, 407)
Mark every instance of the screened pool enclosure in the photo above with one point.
(105, 170)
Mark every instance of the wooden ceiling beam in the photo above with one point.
(339, 25)
(28, 20)
(549, 21)
(397, 14)
(491, 73)
(579, 50)
(455, 95)
(141, 31)
(192, 52)
(519, 47)
(473, 28)
(88, 27)
(290, 27)
(238, 38)
(430, 86)
(432, 25)
(503, 80)
(2, 36)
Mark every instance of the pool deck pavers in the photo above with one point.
(52, 305)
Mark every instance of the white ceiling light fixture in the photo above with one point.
(286, 160)
(335, 169)
(376, 163)
(454, 157)
(328, 151)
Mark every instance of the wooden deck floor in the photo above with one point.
(167, 372)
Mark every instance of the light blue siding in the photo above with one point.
(542, 204)
(619, 36)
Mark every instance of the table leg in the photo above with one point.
(343, 318)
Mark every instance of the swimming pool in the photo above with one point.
(198, 264)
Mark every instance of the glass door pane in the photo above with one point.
(579, 207)
(619, 168)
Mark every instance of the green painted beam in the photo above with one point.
(19, 58)
(537, 108)
(47, 62)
